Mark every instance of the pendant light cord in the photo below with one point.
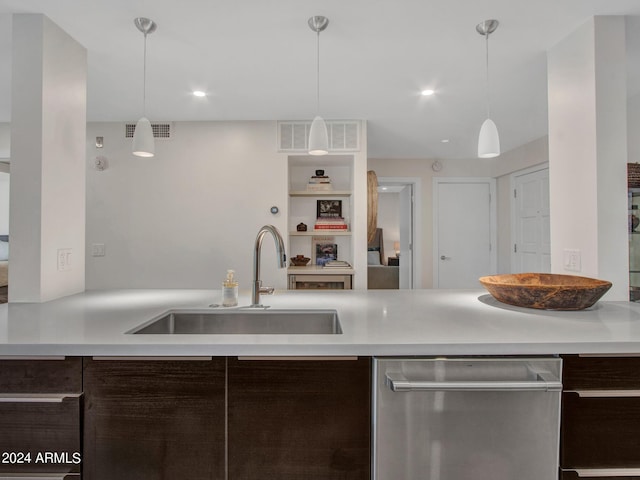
(144, 78)
(318, 74)
(487, 62)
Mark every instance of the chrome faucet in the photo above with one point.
(282, 261)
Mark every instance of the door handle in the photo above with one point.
(444, 257)
(398, 383)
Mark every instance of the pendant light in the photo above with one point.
(488, 140)
(143, 142)
(318, 137)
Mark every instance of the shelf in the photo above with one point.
(332, 193)
(317, 270)
(315, 233)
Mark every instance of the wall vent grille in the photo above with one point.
(344, 135)
(160, 130)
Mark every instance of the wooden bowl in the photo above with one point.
(546, 291)
(299, 261)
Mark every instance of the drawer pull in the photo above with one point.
(38, 476)
(36, 398)
(605, 472)
(605, 393)
(22, 357)
(165, 359)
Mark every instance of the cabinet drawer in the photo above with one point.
(600, 373)
(41, 376)
(600, 432)
(623, 474)
(48, 432)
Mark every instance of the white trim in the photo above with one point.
(512, 203)
(416, 183)
(493, 215)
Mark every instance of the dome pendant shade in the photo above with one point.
(143, 142)
(318, 137)
(488, 140)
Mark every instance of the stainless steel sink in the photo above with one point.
(243, 321)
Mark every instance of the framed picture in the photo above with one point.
(329, 209)
(323, 250)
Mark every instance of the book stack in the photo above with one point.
(331, 223)
(319, 182)
(337, 264)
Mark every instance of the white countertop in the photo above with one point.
(374, 322)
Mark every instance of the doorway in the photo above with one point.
(402, 226)
(464, 229)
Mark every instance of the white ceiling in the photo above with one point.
(256, 59)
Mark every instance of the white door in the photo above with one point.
(532, 244)
(406, 237)
(464, 231)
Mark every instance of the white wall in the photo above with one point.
(185, 216)
(47, 210)
(588, 151)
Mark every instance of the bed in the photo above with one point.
(379, 275)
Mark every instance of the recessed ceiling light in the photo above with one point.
(445, 140)
(427, 93)
(199, 93)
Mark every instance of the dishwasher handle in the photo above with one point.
(547, 382)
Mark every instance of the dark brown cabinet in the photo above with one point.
(40, 416)
(293, 419)
(154, 419)
(600, 430)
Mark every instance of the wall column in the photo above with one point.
(48, 135)
(588, 153)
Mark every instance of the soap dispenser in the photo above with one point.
(229, 290)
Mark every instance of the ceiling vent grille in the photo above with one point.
(344, 136)
(160, 130)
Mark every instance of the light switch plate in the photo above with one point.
(572, 260)
(98, 250)
(64, 259)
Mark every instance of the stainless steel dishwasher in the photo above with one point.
(466, 418)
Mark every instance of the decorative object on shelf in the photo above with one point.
(633, 175)
(633, 222)
(300, 261)
(329, 209)
(546, 291)
(318, 136)
(329, 216)
(488, 140)
(336, 264)
(372, 205)
(143, 142)
(323, 249)
(274, 210)
(301, 227)
(319, 182)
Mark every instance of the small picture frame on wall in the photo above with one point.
(329, 209)
(323, 250)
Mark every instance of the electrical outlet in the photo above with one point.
(64, 259)
(572, 260)
(98, 250)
